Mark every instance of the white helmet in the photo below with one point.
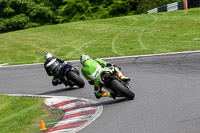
(47, 55)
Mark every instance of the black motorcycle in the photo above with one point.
(70, 76)
(116, 86)
(64, 73)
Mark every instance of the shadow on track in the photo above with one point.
(59, 90)
(111, 102)
(101, 103)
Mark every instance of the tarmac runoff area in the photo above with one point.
(78, 112)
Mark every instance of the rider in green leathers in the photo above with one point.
(92, 69)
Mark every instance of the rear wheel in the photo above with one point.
(122, 90)
(76, 79)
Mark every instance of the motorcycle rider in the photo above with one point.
(53, 67)
(95, 70)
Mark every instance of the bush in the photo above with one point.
(20, 14)
(16, 15)
(74, 10)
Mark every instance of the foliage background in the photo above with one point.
(22, 14)
(16, 15)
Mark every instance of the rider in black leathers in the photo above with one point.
(53, 67)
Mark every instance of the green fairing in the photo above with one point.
(90, 67)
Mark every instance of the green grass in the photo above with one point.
(17, 114)
(120, 36)
(21, 114)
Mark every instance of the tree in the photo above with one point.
(16, 15)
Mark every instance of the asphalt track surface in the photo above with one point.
(167, 92)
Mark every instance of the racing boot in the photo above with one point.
(120, 76)
(104, 94)
(126, 79)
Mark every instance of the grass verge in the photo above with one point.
(23, 114)
(120, 36)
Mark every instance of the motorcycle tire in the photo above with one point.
(76, 79)
(122, 90)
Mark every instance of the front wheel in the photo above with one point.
(76, 79)
(122, 90)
